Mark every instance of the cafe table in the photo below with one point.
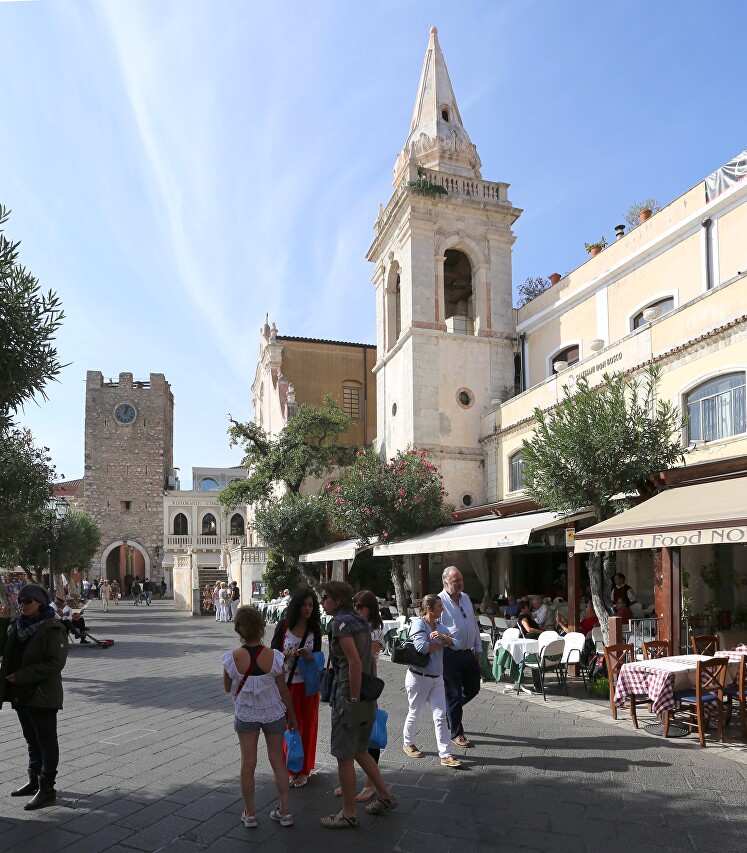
(661, 678)
(509, 657)
(485, 672)
(391, 630)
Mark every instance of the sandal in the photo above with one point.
(300, 781)
(381, 805)
(365, 795)
(337, 792)
(340, 821)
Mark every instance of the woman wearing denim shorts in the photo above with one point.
(253, 675)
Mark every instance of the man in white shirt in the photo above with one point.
(462, 660)
(543, 615)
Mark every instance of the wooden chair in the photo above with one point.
(705, 644)
(709, 688)
(656, 649)
(616, 656)
(738, 691)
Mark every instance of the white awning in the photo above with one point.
(475, 535)
(345, 549)
(713, 513)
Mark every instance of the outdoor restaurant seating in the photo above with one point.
(709, 690)
(548, 659)
(705, 644)
(501, 625)
(615, 657)
(573, 651)
(738, 691)
(656, 649)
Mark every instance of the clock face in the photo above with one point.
(125, 413)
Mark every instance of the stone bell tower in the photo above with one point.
(444, 312)
(128, 462)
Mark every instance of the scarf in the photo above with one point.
(26, 627)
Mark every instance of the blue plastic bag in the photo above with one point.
(378, 732)
(310, 670)
(294, 753)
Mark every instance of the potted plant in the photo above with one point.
(595, 248)
(644, 214)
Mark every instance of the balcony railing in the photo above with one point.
(204, 541)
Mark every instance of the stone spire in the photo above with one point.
(437, 138)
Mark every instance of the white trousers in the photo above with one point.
(234, 608)
(422, 691)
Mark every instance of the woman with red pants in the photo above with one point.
(297, 636)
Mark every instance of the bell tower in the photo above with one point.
(445, 329)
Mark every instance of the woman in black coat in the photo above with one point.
(34, 649)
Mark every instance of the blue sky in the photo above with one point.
(176, 170)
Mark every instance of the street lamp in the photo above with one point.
(56, 513)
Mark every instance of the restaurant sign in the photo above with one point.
(672, 539)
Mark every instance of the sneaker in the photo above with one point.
(249, 820)
(412, 750)
(282, 819)
(450, 761)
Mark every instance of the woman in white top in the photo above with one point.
(425, 684)
(216, 600)
(224, 614)
(253, 675)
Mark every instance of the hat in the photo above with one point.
(35, 592)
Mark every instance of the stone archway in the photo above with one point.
(111, 567)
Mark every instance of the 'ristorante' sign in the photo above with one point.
(673, 539)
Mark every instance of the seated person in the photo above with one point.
(587, 623)
(512, 608)
(76, 625)
(487, 606)
(623, 611)
(528, 626)
(590, 620)
(543, 615)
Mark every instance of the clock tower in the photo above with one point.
(445, 328)
(129, 439)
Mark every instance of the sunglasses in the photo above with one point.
(463, 613)
(25, 600)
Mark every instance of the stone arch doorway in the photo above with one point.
(123, 560)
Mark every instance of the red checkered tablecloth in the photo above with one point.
(659, 679)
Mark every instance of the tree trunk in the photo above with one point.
(601, 568)
(398, 579)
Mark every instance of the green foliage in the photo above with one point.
(602, 244)
(532, 288)
(387, 500)
(599, 442)
(292, 525)
(599, 688)
(711, 575)
(631, 214)
(307, 446)
(25, 486)
(76, 541)
(278, 576)
(424, 187)
(29, 320)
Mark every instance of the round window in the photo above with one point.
(394, 409)
(467, 500)
(465, 398)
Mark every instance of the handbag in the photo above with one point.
(294, 751)
(371, 687)
(327, 683)
(404, 652)
(378, 732)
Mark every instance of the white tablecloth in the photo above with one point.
(390, 625)
(518, 648)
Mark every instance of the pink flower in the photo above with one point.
(367, 511)
(384, 533)
(328, 487)
(338, 490)
(400, 491)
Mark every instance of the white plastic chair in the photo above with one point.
(547, 637)
(501, 625)
(574, 649)
(549, 659)
(596, 636)
(508, 634)
(486, 625)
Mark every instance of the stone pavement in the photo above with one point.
(149, 762)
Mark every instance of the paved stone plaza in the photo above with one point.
(149, 762)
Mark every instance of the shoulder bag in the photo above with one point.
(405, 653)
